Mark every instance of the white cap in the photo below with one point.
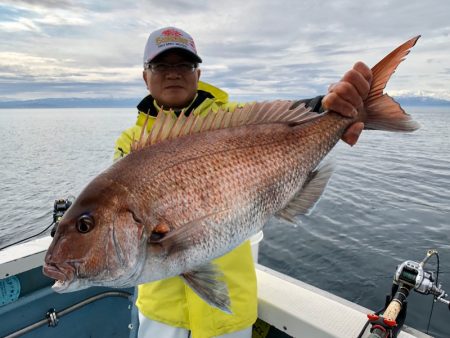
(167, 38)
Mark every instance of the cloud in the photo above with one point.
(254, 49)
(40, 3)
(22, 24)
(58, 74)
(177, 7)
(25, 17)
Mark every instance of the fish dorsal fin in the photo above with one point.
(168, 126)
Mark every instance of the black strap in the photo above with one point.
(315, 104)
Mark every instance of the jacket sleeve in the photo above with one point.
(123, 143)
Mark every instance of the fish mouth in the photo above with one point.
(60, 286)
(63, 275)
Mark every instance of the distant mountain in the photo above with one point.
(421, 101)
(71, 103)
(132, 102)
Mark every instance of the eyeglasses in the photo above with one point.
(183, 67)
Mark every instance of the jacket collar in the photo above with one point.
(204, 91)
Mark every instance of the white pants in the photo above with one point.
(152, 329)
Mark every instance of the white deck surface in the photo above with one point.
(23, 257)
(302, 310)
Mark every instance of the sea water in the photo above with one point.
(387, 201)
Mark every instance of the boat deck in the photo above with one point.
(286, 307)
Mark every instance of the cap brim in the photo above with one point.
(186, 53)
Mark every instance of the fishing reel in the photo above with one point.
(410, 275)
(413, 275)
(60, 206)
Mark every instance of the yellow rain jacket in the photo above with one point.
(171, 301)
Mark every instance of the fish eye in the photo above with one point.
(85, 223)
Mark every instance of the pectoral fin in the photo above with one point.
(305, 200)
(185, 236)
(207, 282)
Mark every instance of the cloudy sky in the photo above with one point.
(254, 49)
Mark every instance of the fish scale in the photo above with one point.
(251, 180)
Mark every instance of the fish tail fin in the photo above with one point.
(383, 112)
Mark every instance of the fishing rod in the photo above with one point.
(410, 275)
(60, 206)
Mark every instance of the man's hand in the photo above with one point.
(347, 96)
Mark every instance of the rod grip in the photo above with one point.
(392, 310)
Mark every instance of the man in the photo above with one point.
(169, 308)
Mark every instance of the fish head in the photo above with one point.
(98, 242)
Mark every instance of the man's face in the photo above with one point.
(173, 87)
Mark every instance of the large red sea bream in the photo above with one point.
(200, 186)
